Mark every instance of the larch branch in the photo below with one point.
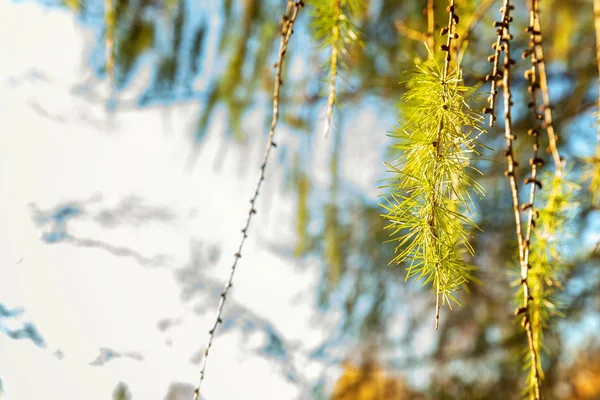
(449, 30)
(335, 38)
(286, 31)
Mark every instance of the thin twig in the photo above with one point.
(504, 44)
(495, 76)
(474, 19)
(541, 65)
(451, 35)
(410, 33)
(286, 31)
(430, 24)
(534, 162)
(335, 37)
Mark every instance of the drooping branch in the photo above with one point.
(595, 170)
(431, 186)
(287, 24)
(430, 24)
(333, 63)
(548, 124)
(450, 35)
(110, 22)
(333, 26)
(535, 162)
(545, 264)
(501, 44)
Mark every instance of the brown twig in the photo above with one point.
(503, 45)
(286, 31)
(474, 19)
(410, 33)
(448, 30)
(499, 46)
(534, 162)
(431, 25)
(543, 79)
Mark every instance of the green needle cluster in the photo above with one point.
(432, 186)
(548, 267)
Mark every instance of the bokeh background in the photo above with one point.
(121, 204)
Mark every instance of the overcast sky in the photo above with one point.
(100, 223)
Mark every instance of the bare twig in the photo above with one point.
(430, 24)
(410, 33)
(543, 79)
(286, 31)
(532, 76)
(504, 44)
(504, 36)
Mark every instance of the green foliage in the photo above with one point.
(121, 392)
(432, 185)
(328, 15)
(548, 265)
(333, 27)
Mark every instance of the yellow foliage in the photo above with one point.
(368, 382)
(585, 377)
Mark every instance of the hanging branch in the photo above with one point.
(452, 21)
(502, 45)
(335, 37)
(110, 19)
(502, 37)
(431, 183)
(595, 172)
(430, 24)
(287, 24)
(528, 309)
(546, 265)
(332, 25)
(543, 80)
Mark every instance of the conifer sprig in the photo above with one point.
(547, 266)
(333, 26)
(287, 25)
(431, 184)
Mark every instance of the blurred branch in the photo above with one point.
(287, 25)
